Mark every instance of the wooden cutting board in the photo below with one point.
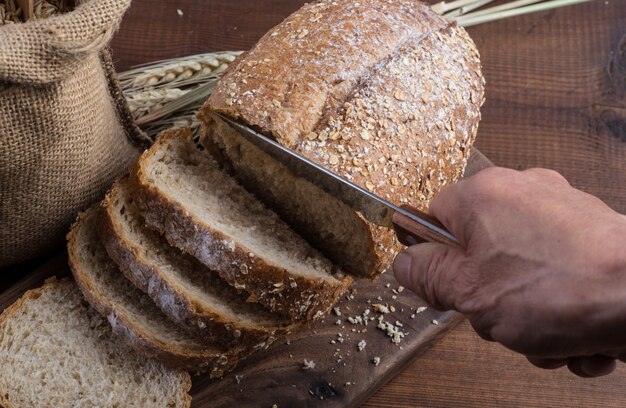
(350, 353)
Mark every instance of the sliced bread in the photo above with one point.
(393, 104)
(56, 351)
(184, 195)
(131, 313)
(188, 292)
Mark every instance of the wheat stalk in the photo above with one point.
(492, 15)
(158, 90)
(142, 103)
(453, 15)
(177, 71)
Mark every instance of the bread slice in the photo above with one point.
(131, 313)
(200, 209)
(56, 351)
(189, 293)
(327, 223)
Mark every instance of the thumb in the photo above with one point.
(429, 270)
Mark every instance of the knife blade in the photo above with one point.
(412, 225)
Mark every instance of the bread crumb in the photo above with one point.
(376, 361)
(380, 308)
(308, 365)
(392, 331)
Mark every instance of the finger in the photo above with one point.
(547, 363)
(593, 366)
(547, 174)
(429, 270)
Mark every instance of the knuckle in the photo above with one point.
(546, 173)
(491, 179)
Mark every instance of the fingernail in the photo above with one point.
(402, 268)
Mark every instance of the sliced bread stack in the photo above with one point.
(190, 269)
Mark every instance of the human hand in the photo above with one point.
(542, 269)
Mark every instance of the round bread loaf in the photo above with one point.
(386, 93)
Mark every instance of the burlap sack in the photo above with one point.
(65, 130)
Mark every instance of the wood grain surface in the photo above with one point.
(556, 98)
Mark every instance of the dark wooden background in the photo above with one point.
(556, 98)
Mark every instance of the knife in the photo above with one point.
(412, 226)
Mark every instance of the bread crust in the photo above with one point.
(49, 284)
(282, 292)
(209, 324)
(383, 92)
(203, 358)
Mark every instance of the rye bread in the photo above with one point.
(386, 93)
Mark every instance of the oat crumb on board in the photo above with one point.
(308, 365)
(380, 308)
(361, 345)
(376, 361)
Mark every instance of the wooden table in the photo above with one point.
(556, 97)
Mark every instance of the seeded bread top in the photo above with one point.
(385, 92)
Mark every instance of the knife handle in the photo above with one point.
(410, 232)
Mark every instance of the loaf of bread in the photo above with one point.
(183, 194)
(189, 293)
(384, 92)
(57, 352)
